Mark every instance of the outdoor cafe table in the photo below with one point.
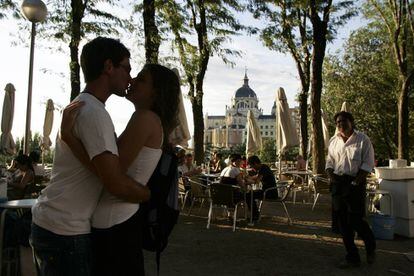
(13, 204)
(210, 177)
(304, 174)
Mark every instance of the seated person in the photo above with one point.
(243, 163)
(264, 175)
(212, 162)
(24, 165)
(188, 169)
(180, 153)
(219, 164)
(232, 175)
(39, 170)
(301, 163)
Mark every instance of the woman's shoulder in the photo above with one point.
(145, 114)
(145, 117)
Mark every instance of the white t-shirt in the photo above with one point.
(185, 169)
(112, 210)
(230, 171)
(66, 206)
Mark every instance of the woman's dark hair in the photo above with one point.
(97, 51)
(166, 99)
(23, 159)
(234, 157)
(345, 115)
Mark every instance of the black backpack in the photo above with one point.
(160, 214)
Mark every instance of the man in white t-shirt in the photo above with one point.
(61, 217)
(188, 169)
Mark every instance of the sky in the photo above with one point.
(267, 71)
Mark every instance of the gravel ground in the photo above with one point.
(271, 247)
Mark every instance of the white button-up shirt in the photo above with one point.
(350, 156)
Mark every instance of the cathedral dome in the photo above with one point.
(245, 90)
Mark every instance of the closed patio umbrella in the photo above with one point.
(47, 125)
(286, 135)
(181, 134)
(254, 138)
(7, 144)
(345, 107)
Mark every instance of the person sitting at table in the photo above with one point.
(24, 165)
(220, 165)
(263, 174)
(213, 161)
(300, 163)
(188, 169)
(39, 170)
(232, 175)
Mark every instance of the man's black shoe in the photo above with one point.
(347, 264)
(371, 257)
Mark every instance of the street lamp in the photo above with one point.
(35, 11)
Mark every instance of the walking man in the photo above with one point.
(62, 216)
(350, 159)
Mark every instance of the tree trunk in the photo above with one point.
(152, 38)
(197, 106)
(318, 55)
(75, 28)
(303, 106)
(403, 117)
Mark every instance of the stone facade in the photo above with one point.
(229, 130)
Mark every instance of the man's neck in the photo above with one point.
(345, 135)
(99, 89)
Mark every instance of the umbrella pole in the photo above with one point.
(280, 165)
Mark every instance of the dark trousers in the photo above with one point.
(118, 250)
(57, 255)
(256, 195)
(349, 205)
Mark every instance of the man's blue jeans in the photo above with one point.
(60, 255)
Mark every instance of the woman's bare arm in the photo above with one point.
(66, 134)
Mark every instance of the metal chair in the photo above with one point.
(223, 195)
(283, 187)
(320, 185)
(198, 191)
(182, 192)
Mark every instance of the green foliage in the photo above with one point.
(184, 21)
(35, 143)
(96, 20)
(9, 7)
(268, 152)
(367, 78)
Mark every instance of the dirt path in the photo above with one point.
(272, 247)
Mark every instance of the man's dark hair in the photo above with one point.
(252, 160)
(219, 155)
(188, 155)
(97, 51)
(35, 156)
(234, 157)
(345, 115)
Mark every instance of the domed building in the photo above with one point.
(229, 130)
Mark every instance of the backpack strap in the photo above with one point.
(157, 258)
